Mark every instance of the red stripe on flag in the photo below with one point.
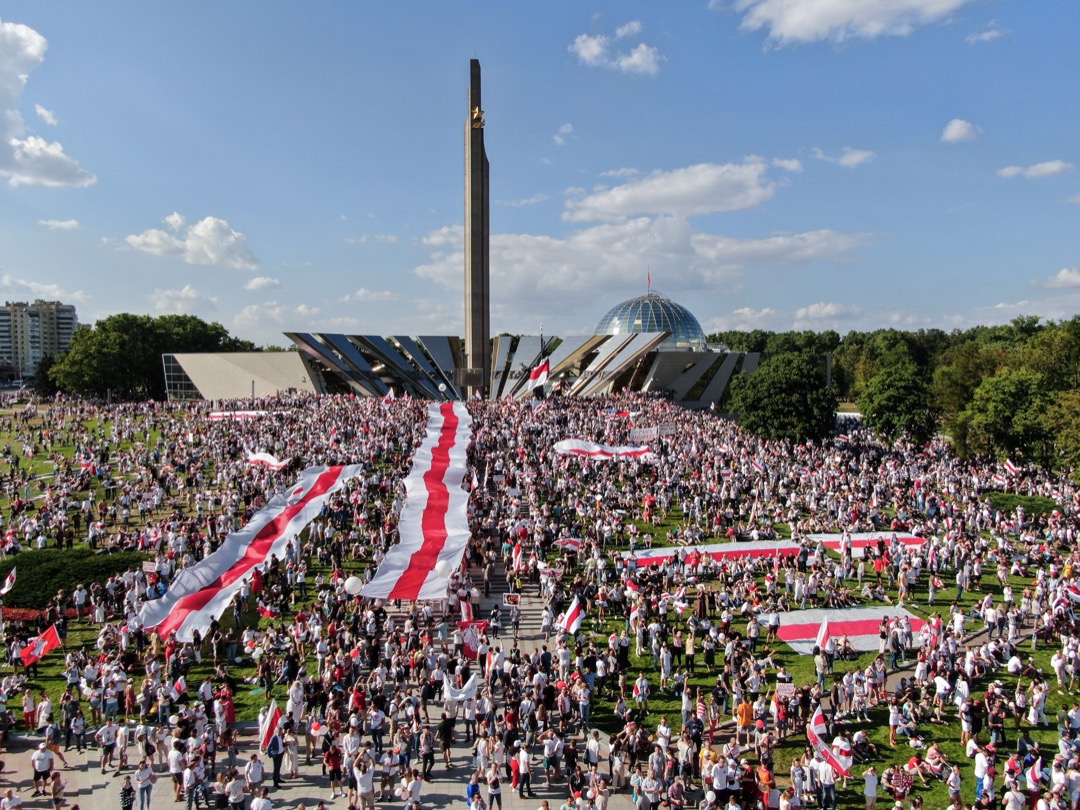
(433, 521)
(858, 627)
(255, 554)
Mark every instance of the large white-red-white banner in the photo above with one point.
(434, 525)
(203, 592)
(601, 452)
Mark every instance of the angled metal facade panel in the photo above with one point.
(630, 353)
(719, 383)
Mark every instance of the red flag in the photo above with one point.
(40, 647)
(471, 631)
(269, 724)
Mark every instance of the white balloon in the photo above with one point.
(442, 568)
(710, 796)
(353, 585)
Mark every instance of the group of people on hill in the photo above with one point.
(382, 689)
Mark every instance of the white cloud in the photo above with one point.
(1049, 168)
(537, 274)
(958, 130)
(824, 315)
(364, 295)
(273, 314)
(702, 189)
(643, 59)
(790, 21)
(1065, 277)
(590, 50)
(620, 173)
(452, 236)
(381, 238)
(848, 157)
(743, 318)
(14, 288)
(788, 165)
(184, 301)
(560, 136)
(596, 51)
(988, 34)
(59, 224)
(788, 248)
(209, 241)
(46, 115)
(526, 201)
(262, 283)
(29, 160)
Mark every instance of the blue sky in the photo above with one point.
(844, 164)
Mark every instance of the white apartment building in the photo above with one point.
(29, 332)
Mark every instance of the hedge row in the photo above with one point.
(41, 573)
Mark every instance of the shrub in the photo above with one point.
(1006, 502)
(43, 572)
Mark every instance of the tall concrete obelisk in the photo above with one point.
(477, 236)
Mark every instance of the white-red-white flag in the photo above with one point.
(9, 583)
(538, 377)
(269, 724)
(816, 730)
(265, 460)
(571, 620)
(823, 635)
(1010, 468)
(179, 688)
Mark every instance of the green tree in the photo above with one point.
(1062, 421)
(121, 355)
(43, 386)
(897, 402)
(786, 398)
(1006, 415)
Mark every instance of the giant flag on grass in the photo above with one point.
(203, 592)
(434, 526)
(601, 452)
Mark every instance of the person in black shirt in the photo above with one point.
(446, 737)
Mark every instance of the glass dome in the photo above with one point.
(654, 312)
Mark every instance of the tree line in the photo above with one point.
(1007, 391)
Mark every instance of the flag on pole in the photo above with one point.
(265, 460)
(40, 647)
(573, 617)
(1010, 468)
(823, 635)
(269, 724)
(757, 465)
(538, 377)
(9, 583)
(179, 689)
(816, 730)
(465, 606)
(388, 397)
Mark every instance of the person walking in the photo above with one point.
(127, 794)
(144, 781)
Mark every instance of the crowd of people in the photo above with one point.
(366, 684)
